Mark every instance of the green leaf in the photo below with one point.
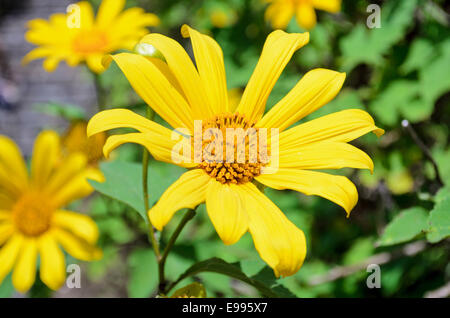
(66, 111)
(364, 45)
(405, 226)
(419, 55)
(401, 99)
(219, 266)
(124, 182)
(6, 287)
(433, 79)
(142, 267)
(439, 221)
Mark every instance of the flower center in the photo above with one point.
(90, 41)
(32, 214)
(232, 151)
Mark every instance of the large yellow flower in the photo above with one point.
(181, 93)
(77, 37)
(280, 12)
(32, 219)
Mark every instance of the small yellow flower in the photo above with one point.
(32, 219)
(78, 37)
(280, 12)
(76, 140)
(182, 93)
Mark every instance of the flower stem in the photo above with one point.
(100, 92)
(187, 217)
(145, 159)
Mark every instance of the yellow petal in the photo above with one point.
(46, 154)
(123, 118)
(277, 51)
(94, 62)
(278, 241)
(78, 187)
(187, 192)
(69, 168)
(132, 19)
(155, 89)
(52, 268)
(315, 89)
(306, 16)
(184, 70)
(159, 146)
(332, 6)
(343, 126)
(80, 225)
(324, 155)
(76, 246)
(6, 229)
(51, 63)
(11, 161)
(9, 185)
(211, 68)
(337, 189)
(108, 12)
(37, 53)
(226, 211)
(279, 14)
(8, 255)
(6, 201)
(24, 272)
(86, 15)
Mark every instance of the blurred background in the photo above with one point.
(399, 73)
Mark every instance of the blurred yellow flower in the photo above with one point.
(221, 18)
(181, 93)
(280, 12)
(79, 37)
(32, 219)
(76, 140)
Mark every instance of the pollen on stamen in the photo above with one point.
(246, 163)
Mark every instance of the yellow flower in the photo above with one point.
(76, 140)
(280, 12)
(32, 219)
(78, 37)
(181, 93)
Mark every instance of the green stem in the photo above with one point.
(100, 92)
(145, 159)
(187, 217)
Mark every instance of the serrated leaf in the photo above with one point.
(439, 221)
(405, 226)
(219, 266)
(419, 55)
(433, 78)
(124, 182)
(364, 45)
(396, 100)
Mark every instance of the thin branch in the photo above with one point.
(442, 292)
(424, 148)
(379, 259)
